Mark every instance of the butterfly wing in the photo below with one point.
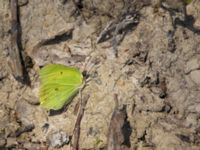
(59, 84)
(55, 96)
(57, 73)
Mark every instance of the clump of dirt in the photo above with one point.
(146, 52)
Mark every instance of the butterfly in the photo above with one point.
(59, 84)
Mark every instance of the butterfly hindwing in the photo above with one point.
(56, 96)
(58, 84)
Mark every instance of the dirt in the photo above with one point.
(156, 73)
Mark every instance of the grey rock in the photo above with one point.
(58, 139)
(24, 112)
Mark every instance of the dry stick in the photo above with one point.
(76, 133)
(15, 61)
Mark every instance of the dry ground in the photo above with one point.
(156, 74)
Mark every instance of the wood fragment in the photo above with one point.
(55, 39)
(178, 14)
(76, 133)
(15, 62)
(119, 130)
(117, 30)
(24, 129)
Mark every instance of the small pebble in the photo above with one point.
(58, 139)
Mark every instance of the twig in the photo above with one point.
(76, 133)
(15, 62)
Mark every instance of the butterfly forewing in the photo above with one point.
(56, 73)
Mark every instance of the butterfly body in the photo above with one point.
(59, 84)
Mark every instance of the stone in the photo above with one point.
(57, 139)
(24, 112)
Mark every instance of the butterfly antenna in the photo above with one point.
(89, 66)
(89, 56)
(86, 73)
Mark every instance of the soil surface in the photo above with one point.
(144, 53)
